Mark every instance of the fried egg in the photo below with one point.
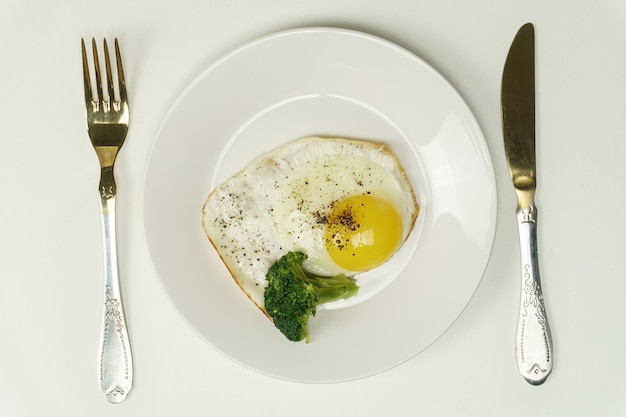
(347, 204)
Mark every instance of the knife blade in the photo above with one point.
(534, 351)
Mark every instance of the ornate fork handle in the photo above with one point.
(534, 342)
(115, 367)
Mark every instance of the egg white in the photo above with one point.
(278, 203)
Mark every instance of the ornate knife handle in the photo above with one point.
(534, 342)
(115, 365)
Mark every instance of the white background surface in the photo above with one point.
(50, 242)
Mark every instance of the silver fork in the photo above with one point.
(107, 125)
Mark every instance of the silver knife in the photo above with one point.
(534, 343)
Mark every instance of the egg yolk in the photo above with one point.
(362, 232)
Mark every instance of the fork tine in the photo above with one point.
(86, 76)
(107, 66)
(120, 73)
(96, 64)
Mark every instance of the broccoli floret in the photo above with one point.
(292, 294)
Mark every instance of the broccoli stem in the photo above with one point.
(333, 288)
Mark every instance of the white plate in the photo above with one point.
(328, 82)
